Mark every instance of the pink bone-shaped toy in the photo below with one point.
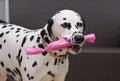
(56, 45)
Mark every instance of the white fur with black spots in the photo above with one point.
(15, 65)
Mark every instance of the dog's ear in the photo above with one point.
(84, 25)
(49, 27)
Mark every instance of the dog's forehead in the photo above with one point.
(67, 14)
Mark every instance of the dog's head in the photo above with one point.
(67, 24)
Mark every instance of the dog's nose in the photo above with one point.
(79, 38)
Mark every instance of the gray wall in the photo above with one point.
(102, 16)
(2, 9)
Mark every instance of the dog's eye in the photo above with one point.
(79, 24)
(66, 25)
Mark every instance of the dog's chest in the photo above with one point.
(54, 68)
(47, 68)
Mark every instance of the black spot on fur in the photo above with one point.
(29, 77)
(32, 77)
(7, 32)
(64, 18)
(2, 64)
(43, 33)
(24, 40)
(40, 45)
(1, 34)
(47, 63)
(17, 40)
(0, 46)
(24, 68)
(55, 62)
(59, 61)
(62, 62)
(18, 71)
(19, 58)
(28, 31)
(44, 36)
(12, 28)
(18, 28)
(51, 74)
(19, 53)
(4, 26)
(4, 41)
(31, 38)
(9, 55)
(34, 64)
(49, 27)
(17, 35)
(47, 39)
(66, 25)
(17, 31)
(44, 53)
(10, 71)
(38, 40)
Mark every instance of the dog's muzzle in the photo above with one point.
(78, 39)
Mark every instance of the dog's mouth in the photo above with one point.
(74, 49)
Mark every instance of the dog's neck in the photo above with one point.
(47, 38)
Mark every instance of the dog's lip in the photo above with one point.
(75, 48)
(75, 45)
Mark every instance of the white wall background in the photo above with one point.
(4, 10)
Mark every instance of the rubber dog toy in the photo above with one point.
(56, 45)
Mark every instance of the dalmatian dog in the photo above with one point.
(16, 65)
